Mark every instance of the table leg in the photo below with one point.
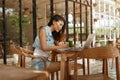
(53, 60)
(62, 67)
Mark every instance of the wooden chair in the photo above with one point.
(8, 72)
(13, 50)
(28, 53)
(86, 45)
(103, 53)
(118, 43)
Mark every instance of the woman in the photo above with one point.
(47, 38)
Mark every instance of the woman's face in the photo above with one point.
(58, 25)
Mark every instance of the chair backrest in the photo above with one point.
(19, 50)
(24, 50)
(14, 49)
(118, 40)
(118, 43)
(99, 53)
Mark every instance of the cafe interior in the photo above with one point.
(93, 23)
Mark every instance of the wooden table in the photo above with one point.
(15, 73)
(64, 54)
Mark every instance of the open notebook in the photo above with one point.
(89, 41)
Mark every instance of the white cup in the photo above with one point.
(78, 45)
(97, 44)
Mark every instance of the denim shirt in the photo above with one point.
(49, 39)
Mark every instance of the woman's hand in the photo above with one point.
(63, 45)
(60, 43)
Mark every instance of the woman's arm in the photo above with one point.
(44, 46)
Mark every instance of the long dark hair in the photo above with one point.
(57, 35)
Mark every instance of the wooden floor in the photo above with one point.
(12, 61)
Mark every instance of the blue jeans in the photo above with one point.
(38, 64)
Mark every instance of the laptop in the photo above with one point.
(89, 41)
(86, 45)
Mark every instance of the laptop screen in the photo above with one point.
(89, 41)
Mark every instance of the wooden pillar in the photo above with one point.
(51, 8)
(66, 13)
(4, 32)
(20, 22)
(34, 19)
(91, 16)
(74, 21)
(81, 22)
